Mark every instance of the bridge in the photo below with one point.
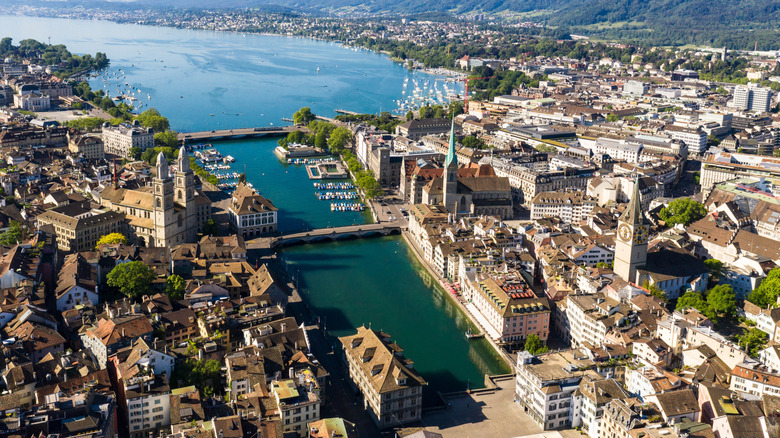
(221, 134)
(326, 235)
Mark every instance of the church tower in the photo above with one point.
(631, 242)
(162, 186)
(184, 195)
(450, 176)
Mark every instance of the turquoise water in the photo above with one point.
(254, 81)
(378, 283)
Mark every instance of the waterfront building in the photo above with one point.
(168, 212)
(391, 387)
(510, 308)
(250, 214)
(118, 140)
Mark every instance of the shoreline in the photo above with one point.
(505, 357)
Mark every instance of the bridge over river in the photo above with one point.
(326, 235)
(223, 134)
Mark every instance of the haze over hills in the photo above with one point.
(730, 23)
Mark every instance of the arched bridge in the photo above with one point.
(326, 235)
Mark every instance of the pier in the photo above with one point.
(219, 134)
(326, 235)
(346, 112)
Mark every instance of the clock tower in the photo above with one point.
(631, 242)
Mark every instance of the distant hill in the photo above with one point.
(730, 23)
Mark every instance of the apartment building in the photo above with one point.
(118, 140)
(571, 207)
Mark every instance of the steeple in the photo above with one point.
(452, 157)
(633, 214)
(183, 160)
(162, 166)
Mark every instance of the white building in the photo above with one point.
(298, 401)
(118, 140)
(755, 378)
(752, 98)
(250, 214)
(571, 207)
(148, 399)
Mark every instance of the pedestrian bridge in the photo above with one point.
(224, 134)
(326, 235)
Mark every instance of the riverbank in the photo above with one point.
(417, 251)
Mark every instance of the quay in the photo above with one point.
(346, 112)
(326, 235)
(238, 133)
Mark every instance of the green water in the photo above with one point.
(378, 282)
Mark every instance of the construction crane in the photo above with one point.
(466, 82)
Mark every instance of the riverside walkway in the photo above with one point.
(238, 133)
(326, 235)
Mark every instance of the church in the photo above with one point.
(670, 269)
(168, 212)
(484, 194)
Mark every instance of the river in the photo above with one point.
(204, 80)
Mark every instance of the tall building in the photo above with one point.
(631, 242)
(752, 98)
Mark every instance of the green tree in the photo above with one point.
(135, 153)
(534, 345)
(303, 116)
(722, 300)
(715, 268)
(339, 138)
(409, 116)
(166, 138)
(132, 279)
(210, 228)
(13, 234)
(206, 375)
(766, 293)
(110, 239)
(473, 142)
(752, 341)
(320, 141)
(682, 211)
(654, 290)
(612, 117)
(152, 118)
(694, 300)
(174, 287)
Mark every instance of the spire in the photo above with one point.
(184, 160)
(633, 214)
(162, 166)
(451, 156)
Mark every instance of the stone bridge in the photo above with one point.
(326, 235)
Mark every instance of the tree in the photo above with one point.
(152, 118)
(13, 234)
(715, 268)
(409, 116)
(612, 117)
(166, 138)
(135, 153)
(242, 178)
(694, 300)
(210, 228)
(339, 138)
(682, 211)
(320, 141)
(473, 142)
(174, 287)
(206, 375)
(766, 293)
(534, 345)
(110, 239)
(132, 279)
(752, 341)
(722, 300)
(303, 116)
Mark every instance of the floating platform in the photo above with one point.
(329, 170)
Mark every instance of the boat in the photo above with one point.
(229, 159)
(470, 335)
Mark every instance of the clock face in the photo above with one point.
(640, 235)
(624, 232)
